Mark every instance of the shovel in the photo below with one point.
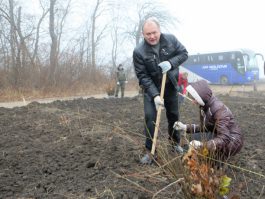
(159, 114)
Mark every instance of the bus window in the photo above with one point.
(198, 59)
(227, 58)
(232, 59)
(246, 59)
(252, 62)
(260, 60)
(203, 59)
(221, 58)
(195, 60)
(240, 66)
(233, 56)
(214, 58)
(209, 59)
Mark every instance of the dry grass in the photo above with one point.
(10, 94)
(110, 88)
(197, 172)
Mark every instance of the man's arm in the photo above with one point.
(144, 79)
(182, 53)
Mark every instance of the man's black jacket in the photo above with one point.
(146, 62)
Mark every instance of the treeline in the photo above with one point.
(45, 51)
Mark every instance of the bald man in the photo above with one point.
(158, 53)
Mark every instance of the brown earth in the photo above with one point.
(90, 148)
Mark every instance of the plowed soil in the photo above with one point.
(90, 148)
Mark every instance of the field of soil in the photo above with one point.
(90, 148)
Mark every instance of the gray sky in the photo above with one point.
(212, 25)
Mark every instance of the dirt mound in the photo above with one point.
(91, 147)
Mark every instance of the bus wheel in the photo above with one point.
(223, 80)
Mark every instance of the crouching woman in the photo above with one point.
(218, 130)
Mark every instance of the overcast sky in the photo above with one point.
(212, 25)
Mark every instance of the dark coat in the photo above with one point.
(146, 62)
(217, 118)
(121, 76)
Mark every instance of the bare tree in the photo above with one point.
(22, 53)
(61, 21)
(13, 41)
(96, 38)
(88, 48)
(114, 49)
(4, 51)
(54, 44)
(8, 13)
(116, 31)
(81, 50)
(37, 37)
(5, 38)
(22, 47)
(17, 44)
(144, 10)
(55, 34)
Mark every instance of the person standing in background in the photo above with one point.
(121, 81)
(182, 84)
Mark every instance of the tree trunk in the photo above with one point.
(53, 51)
(93, 40)
(15, 67)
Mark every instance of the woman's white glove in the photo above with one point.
(158, 102)
(196, 144)
(180, 126)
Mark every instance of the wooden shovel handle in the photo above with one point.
(158, 114)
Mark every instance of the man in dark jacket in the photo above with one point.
(157, 54)
(218, 129)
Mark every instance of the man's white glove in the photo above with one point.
(158, 102)
(118, 83)
(126, 82)
(165, 66)
(195, 144)
(180, 126)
